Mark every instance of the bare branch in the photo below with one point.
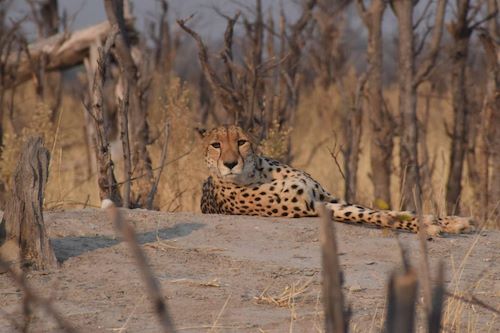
(423, 40)
(226, 96)
(32, 297)
(490, 16)
(138, 111)
(62, 51)
(152, 285)
(108, 187)
(123, 109)
(475, 9)
(227, 52)
(437, 32)
(471, 299)
(360, 6)
(423, 16)
(334, 154)
(151, 195)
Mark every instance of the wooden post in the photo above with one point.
(336, 314)
(401, 299)
(23, 218)
(438, 292)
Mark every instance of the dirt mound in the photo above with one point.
(238, 274)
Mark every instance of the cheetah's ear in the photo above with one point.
(201, 131)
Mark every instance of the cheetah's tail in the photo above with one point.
(400, 220)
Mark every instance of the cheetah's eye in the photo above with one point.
(242, 142)
(215, 145)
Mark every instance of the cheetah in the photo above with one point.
(242, 182)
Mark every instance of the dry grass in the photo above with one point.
(209, 283)
(38, 124)
(275, 145)
(462, 316)
(285, 298)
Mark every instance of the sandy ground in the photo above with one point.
(219, 273)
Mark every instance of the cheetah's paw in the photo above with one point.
(456, 224)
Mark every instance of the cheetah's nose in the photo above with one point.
(230, 164)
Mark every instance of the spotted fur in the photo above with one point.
(242, 182)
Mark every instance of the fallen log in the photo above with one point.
(61, 51)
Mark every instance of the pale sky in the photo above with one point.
(207, 22)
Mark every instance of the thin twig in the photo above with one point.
(334, 153)
(473, 300)
(32, 297)
(152, 192)
(152, 285)
(214, 325)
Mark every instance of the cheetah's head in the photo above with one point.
(229, 154)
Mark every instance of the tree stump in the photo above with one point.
(22, 222)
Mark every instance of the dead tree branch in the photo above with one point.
(63, 50)
(437, 32)
(152, 286)
(32, 297)
(401, 300)
(108, 186)
(124, 137)
(229, 98)
(138, 111)
(152, 193)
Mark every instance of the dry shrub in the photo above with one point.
(318, 130)
(38, 124)
(287, 297)
(275, 144)
(71, 181)
(180, 184)
(463, 313)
